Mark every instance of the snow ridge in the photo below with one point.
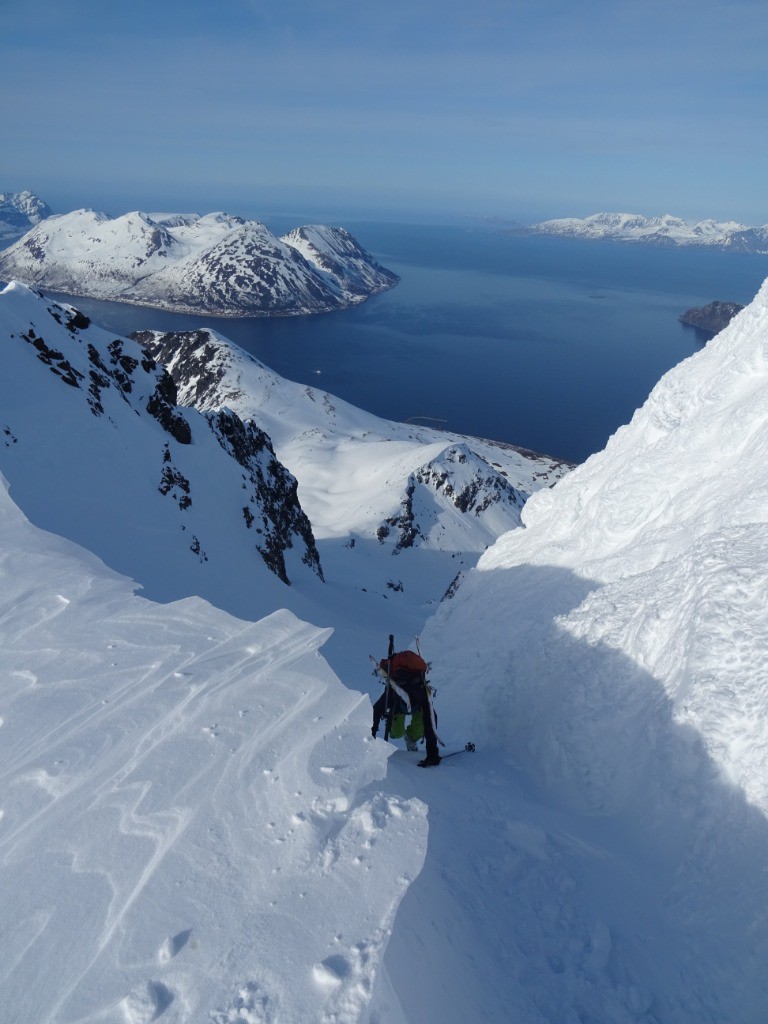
(615, 648)
(204, 493)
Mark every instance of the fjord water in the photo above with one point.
(547, 343)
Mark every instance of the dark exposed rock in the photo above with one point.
(713, 317)
(453, 586)
(464, 478)
(191, 355)
(113, 376)
(53, 359)
(405, 522)
(273, 493)
(77, 321)
(162, 405)
(174, 483)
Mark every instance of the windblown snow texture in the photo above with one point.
(190, 823)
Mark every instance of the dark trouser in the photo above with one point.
(419, 698)
(418, 695)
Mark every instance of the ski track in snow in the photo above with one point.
(183, 806)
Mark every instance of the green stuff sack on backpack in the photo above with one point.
(415, 730)
(397, 730)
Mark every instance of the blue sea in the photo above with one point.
(546, 343)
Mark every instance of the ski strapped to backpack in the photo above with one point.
(388, 689)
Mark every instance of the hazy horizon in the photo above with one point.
(511, 108)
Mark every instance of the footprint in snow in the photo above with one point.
(146, 1003)
(173, 945)
(332, 971)
(251, 1006)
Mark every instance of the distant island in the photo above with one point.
(711, 318)
(216, 265)
(666, 231)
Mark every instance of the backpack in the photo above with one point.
(405, 666)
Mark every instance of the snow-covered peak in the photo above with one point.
(216, 264)
(88, 245)
(18, 212)
(663, 230)
(456, 480)
(339, 258)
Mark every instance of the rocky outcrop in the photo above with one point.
(222, 486)
(272, 508)
(458, 480)
(711, 318)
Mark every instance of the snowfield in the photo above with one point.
(195, 824)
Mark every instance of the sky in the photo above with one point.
(512, 109)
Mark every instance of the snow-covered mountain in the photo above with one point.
(216, 264)
(375, 491)
(95, 448)
(665, 230)
(198, 799)
(19, 211)
(617, 648)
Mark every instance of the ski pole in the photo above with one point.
(388, 689)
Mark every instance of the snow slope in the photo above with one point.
(186, 808)
(613, 654)
(216, 264)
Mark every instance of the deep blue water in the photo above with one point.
(547, 343)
